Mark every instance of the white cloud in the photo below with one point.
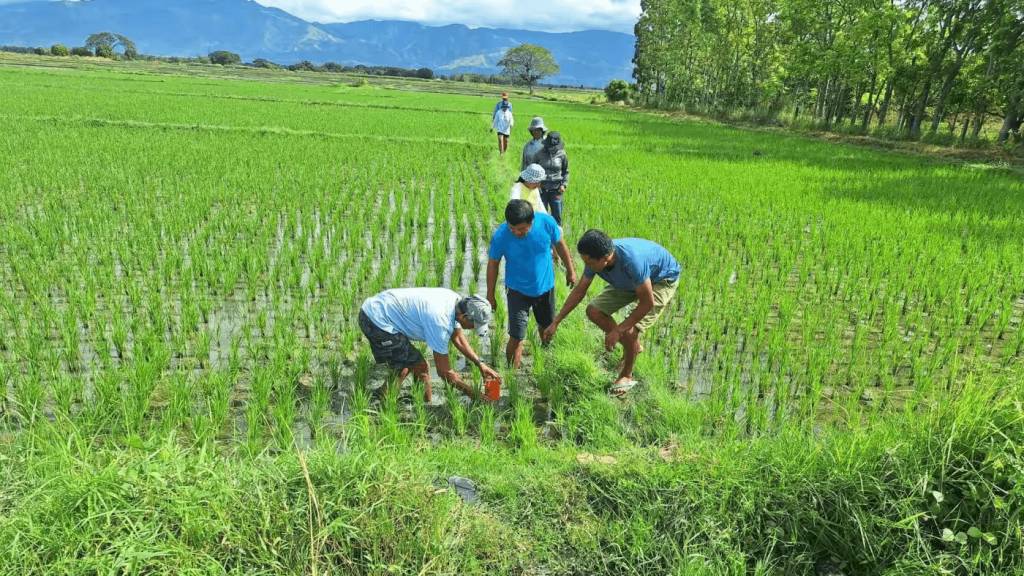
(540, 15)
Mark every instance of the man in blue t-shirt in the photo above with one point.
(636, 270)
(525, 241)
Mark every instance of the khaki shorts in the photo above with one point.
(612, 300)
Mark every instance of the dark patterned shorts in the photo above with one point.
(394, 349)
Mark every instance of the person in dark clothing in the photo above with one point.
(556, 174)
(534, 148)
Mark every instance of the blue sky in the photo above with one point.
(542, 15)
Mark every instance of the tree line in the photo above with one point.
(908, 68)
(526, 64)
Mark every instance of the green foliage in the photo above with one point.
(81, 51)
(110, 40)
(42, 51)
(59, 50)
(303, 66)
(224, 57)
(104, 51)
(261, 63)
(838, 375)
(529, 63)
(617, 91)
(901, 66)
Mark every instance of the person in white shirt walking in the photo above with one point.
(392, 319)
(502, 122)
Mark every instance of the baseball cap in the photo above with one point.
(478, 311)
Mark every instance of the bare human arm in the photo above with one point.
(563, 253)
(492, 279)
(444, 370)
(574, 299)
(462, 345)
(644, 304)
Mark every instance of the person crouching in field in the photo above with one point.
(525, 241)
(436, 316)
(636, 270)
(503, 122)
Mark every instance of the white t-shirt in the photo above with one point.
(423, 314)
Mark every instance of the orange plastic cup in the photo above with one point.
(492, 389)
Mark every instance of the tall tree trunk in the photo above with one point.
(885, 104)
(1012, 112)
(979, 122)
(801, 99)
(872, 99)
(947, 87)
(819, 107)
(901, 118)
(837, 101)
(858, 95)
(963, 129)
(922, 103)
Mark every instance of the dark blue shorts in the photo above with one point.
(519, 306)
(394, 349)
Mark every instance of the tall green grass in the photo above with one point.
(837, 380)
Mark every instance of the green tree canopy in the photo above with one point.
(529, 62)
(908, 66)
(225, 57)
(617, 91)
(110, 40)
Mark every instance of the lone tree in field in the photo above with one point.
(529, 62)
(225, 58)
(111, 41)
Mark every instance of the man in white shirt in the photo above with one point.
(437, 316)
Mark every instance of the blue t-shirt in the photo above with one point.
(528, 265)
(636, 261)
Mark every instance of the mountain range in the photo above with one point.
(198, 27)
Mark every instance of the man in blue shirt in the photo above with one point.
(525, 241)
(636, 270)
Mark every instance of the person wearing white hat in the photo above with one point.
(527, 187)
(534, 148)
(437, 316)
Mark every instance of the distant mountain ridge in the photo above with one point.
(196, 27)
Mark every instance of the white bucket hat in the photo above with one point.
(533, 174)
(537, 122)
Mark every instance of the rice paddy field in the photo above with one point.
(184, 389)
